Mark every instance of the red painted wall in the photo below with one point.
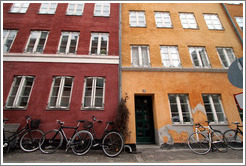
(58, 22)
(44, 73)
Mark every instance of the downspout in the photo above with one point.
(235, 28)
(120, 54)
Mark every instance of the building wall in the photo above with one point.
(159, 82)
(45, 66)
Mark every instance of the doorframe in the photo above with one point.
(152, 95)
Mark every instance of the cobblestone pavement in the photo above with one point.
(143, 155)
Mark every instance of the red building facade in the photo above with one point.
(60, 61)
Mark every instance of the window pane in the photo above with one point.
(194, 57)
(104, 43)
(94, 44)
(145, 58)
(135, 56)
(41, 42)
(73, 43)
(63, 45)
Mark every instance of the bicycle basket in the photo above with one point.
(87, 124)
(35, 123)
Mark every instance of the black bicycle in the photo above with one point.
(30, 136)
(112, 142)
(53, 139)
(234, 137)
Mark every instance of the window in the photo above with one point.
(140, 56)
(239, 22)
(214, 109)
(8, 39)
(94, 93)
(212, 21)
(19, 8)
(170, 56)
(68, 43)
(99, 43)
(20, 92)
(102, 9)
(48, 8)
(188, 20)
(226, 56)
(75, 9)
(199, 57)
(239, 110)
(180, 108)
(37, 41)
(61, 92)
(163, 20)
(137, 19)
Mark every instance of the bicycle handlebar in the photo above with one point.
(95, 119)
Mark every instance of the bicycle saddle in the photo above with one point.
(236, 122)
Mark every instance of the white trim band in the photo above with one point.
(60, 58)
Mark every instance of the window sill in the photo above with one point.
(57, 109)
(138, 27)
(74, 14)
(17, 13)
(14, 109)
(164, 27)
(101, 16)
(217, 29)
(47, 13)
(92, 109)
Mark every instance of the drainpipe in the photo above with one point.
(120, 53)
(232, 23)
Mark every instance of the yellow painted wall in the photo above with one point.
(160, 84)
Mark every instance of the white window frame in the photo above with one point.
(180, 113)
(239, 21)
(210, 19)
(199, 58)
(99, 43)
(75, 8)
(102, 7)
(59, 96)
(163, 20)
(46, 11)
(226, 56)
(137, 19)
(68, 42)
(18, 93)
(7, 35)
(37, 41)
(187, 19)
(140, 58)
(19, 10)
(93, 94)
(216, 121)
(170, 56)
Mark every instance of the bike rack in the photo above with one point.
(127, 146)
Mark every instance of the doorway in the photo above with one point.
(144, 120)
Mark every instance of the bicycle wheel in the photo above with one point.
(199, 143)
(112, 144)
(234, 139)
(50, 141)
(81, 142)
(29, 141)
(219, 142)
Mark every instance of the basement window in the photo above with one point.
(20, 92)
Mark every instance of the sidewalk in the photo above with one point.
(144, 154)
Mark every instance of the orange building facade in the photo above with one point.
(175, 59)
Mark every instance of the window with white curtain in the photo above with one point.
(75, 9)
(19, 8)
(140, 56)
(48, 8)
(213, 22)
(188, 20)
(199, 57)
(170, 56)
(163, 20)
(102, 9)
(137, 19)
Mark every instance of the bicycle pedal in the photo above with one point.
(5, 145)
(96, 145)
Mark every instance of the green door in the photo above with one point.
(144, 120)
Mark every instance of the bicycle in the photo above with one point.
(30, 135)
(111, 142)
(200, 143)
(234, 137)
(53, 139)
